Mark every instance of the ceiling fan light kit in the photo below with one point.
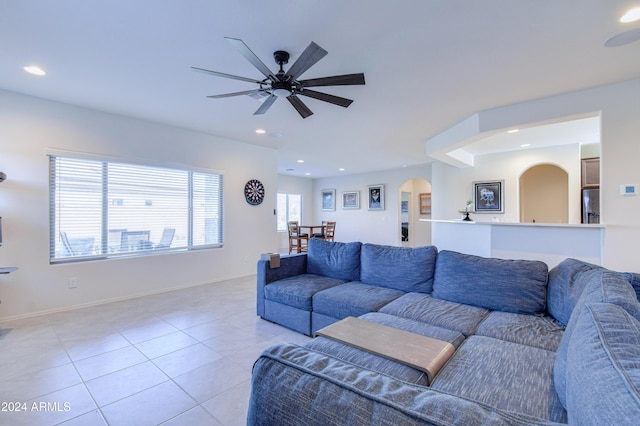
(286, 84)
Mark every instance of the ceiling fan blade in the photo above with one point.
(251, 57)
(228, 95)
(312, 54)
(266, 105)
(336, 80)
(299, 106)
(336, 100)
(221, 74)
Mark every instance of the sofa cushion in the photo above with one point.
(634, 279)
(352, 299)
(379, 363)
(505, 375)
(424, 308)
(538, 331)
(564, 290)
(600, 286)
(400, 268)
(334, 259)
(603, 379)
(518, 286)
(293, 385)
(297, 291)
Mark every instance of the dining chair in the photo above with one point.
(329, 231)
(320, 234)
(298, 241)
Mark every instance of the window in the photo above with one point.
(289, 207)
(104, 209)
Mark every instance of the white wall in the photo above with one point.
(455, 186)
(378, 227)
(619, 108)
(30, 126)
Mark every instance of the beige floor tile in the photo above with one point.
(124, 383)
(166, 344)
(109, 362)
(187, 359)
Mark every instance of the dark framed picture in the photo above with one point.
(375, 197)
(488, 197)
(328, 200)
(350, 200)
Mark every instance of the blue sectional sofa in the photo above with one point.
(533, 346)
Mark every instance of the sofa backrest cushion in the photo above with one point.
(399, 268)
(603, 378)
(600, 286)
(518, 286)
(634, 279)
(564, 290)
(334, 259)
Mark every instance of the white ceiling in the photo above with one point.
(428, 64)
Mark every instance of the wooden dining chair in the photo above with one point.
(320, 234)
(329, 231)
(297, 240)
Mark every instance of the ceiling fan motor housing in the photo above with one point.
(281, 57)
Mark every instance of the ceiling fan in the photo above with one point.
(286, 84)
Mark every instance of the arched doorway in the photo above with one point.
(544, 195)
(411, 231)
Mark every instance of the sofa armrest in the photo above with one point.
(290, 265)
(295, 385)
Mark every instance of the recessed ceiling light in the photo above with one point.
(524, 145)
(35, 70)
(341, 169)
(300, 161)
(261, 131)
(513, 131)
(631, 16)
(307, 174)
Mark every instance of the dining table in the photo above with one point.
(312, 229)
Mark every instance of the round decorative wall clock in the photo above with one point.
(254, 192)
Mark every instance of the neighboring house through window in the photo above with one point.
(101, 208)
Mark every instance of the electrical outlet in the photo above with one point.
(73, 283)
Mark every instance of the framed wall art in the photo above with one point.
(425, 203)
(350, 200)
(375, 196)
(488, 197)
(328, 200)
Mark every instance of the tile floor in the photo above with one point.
(177, 358)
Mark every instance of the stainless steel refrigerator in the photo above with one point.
(591, 205)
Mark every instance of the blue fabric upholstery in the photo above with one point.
(601, 285)
(287, 316)
(400, 268)
(424, 308)
(492, 371)
(297, 291)
(291, 385)
(352, 299)
(518, 286)
(289, 266)
(334, 259)
(380, 364)
(634, 279)
(604, 373)
(564, 289)
(538, 331)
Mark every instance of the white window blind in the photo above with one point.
(107, 209)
